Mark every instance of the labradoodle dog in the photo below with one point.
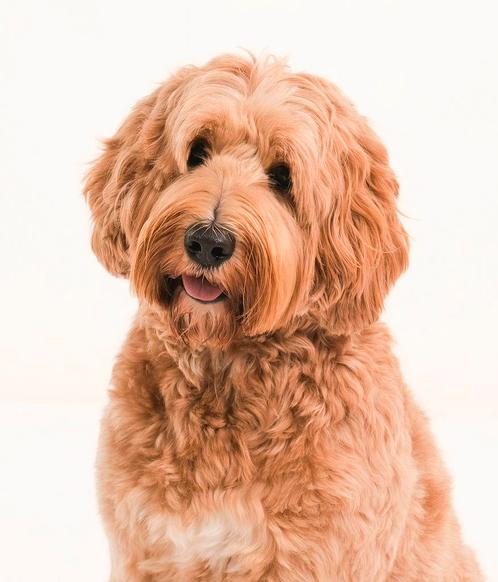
(258, 426)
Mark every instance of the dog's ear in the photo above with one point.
(364, 247)
(108, 183)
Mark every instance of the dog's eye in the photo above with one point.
(280, 178)
(199, 152)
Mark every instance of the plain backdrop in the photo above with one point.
(424, 73)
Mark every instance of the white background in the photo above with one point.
(425, 73)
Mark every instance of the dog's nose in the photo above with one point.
(208, 244)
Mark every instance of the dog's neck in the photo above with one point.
(299, 340)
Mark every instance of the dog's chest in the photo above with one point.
(214, 536)
(227, 435)
(219, 459)
(218, 530)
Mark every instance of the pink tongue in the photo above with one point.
(199, 288)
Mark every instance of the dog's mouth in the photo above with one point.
(198, 288)
(201, 289)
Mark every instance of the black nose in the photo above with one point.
(208, 244)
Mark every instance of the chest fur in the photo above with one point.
(211, 462)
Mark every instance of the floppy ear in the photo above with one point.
(117, 180)
(107, 184)
(364, 247)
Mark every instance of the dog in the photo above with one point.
(258, 426)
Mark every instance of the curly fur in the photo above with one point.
(268, 436)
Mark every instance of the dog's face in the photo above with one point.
(238, 196)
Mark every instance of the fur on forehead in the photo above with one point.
(255, 107)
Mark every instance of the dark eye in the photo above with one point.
(199, 151)
(280, 178)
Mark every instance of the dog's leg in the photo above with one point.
(127, 551)
(125, 560)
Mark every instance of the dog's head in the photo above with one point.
(239, 196)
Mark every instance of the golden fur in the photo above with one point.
(268, 436)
